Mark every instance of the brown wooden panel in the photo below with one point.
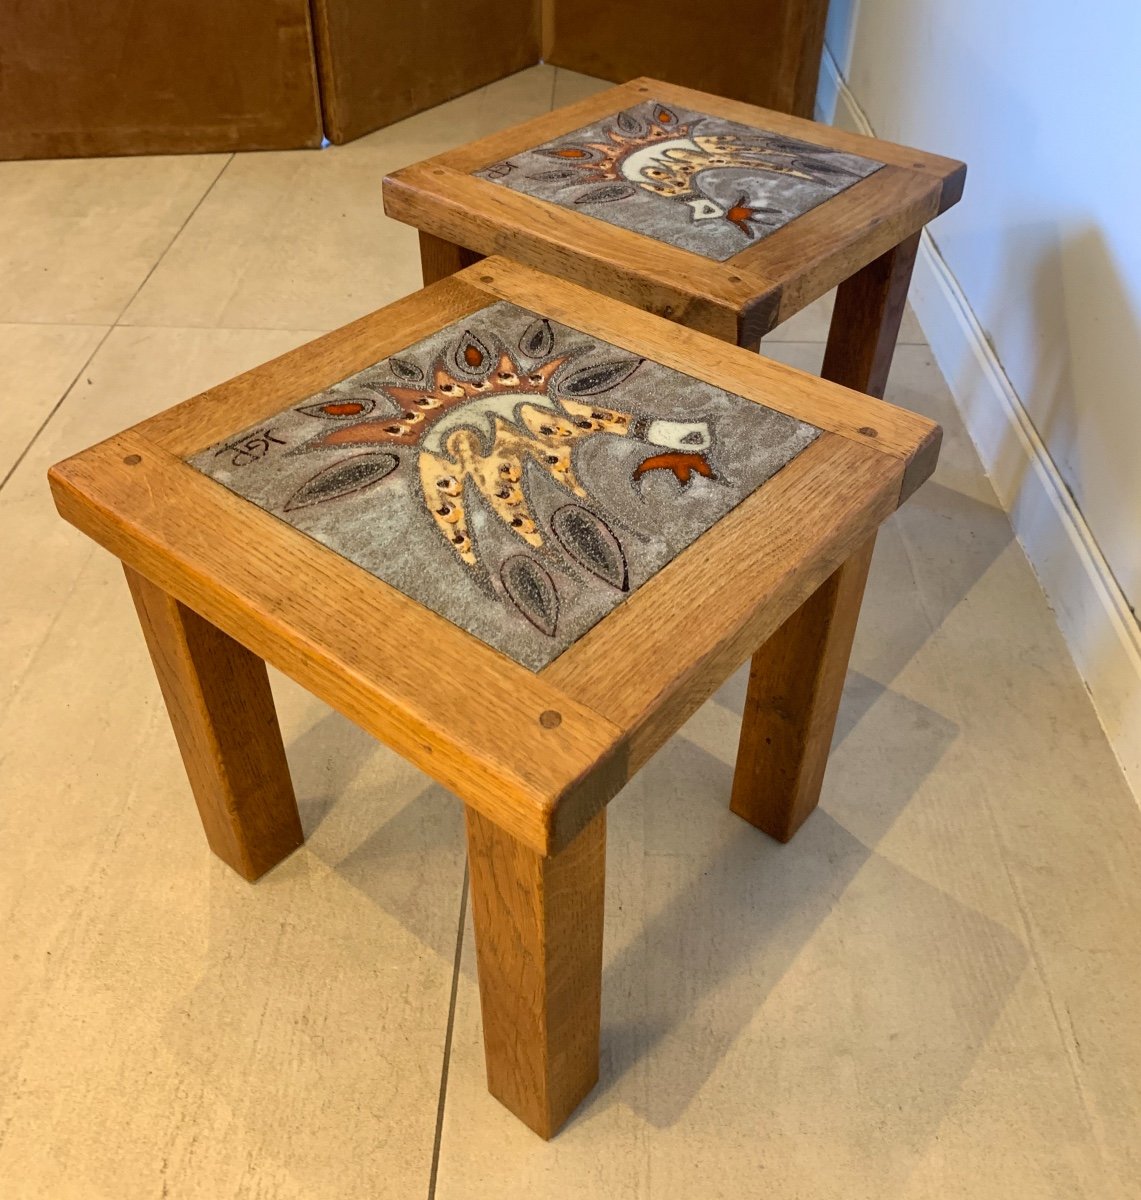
(767, 53)
(380, 62)
(171, 76)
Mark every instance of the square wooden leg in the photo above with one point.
(218, 697)
(795, 684)
(439, 259)
(797, 677)
(865, 321)
(538, 933)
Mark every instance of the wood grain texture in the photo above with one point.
(659, 656)
(538, 934)
(862, 337)
(439, 259)
(948, 171)
(645, 274)
(218, 697)
(382, 62)
(245, 400)
(94, 79)
(358, 644)
(527, 134)
(868, 421)
(378, 657)
(866, 318)
(546, 27)
(739, 300)
(503, 143)
(795, 683)
(797, 675)
(824, 247)
(772, 58)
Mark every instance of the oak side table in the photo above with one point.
(518, 532)
(721, 216)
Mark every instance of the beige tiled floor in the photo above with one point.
(931, 992)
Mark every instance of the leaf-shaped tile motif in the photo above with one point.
(568, 153)
(532, 591)
(555, 176)
(538, 339)
(590, 542)
(629, 123)
(470, 353)
(821, 169)
(405, 368)
(599, 377)
(336, 409)
(343, 478)
(776, 143)
(607, 194)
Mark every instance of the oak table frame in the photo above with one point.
(855, 239)
(791, 556)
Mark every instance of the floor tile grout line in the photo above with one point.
(119, 324)
(55, 324)
(439, 1136)
(234, 328)
(177, 234)
(1029, 932)
(111, 328)
(55, 408)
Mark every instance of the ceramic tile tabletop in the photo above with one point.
(705, 184)
(512, 474)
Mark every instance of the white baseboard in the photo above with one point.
(1092, 612)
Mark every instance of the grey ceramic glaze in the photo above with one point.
(513, 475)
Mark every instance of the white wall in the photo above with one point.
(1031, 294)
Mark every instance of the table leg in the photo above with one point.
(865, 321)
(797, 676)
(439, 259)
(218, 697)
(538, 933)
(795, 684)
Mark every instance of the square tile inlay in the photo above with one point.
(516, 476)
(702, 183)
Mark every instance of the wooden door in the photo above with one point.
(767, 53)
(83, 77)
(382, 60)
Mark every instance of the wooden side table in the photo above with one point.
(519, 532)
(715, 214)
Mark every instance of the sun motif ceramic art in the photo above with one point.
(702, 183)
(514, 475)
